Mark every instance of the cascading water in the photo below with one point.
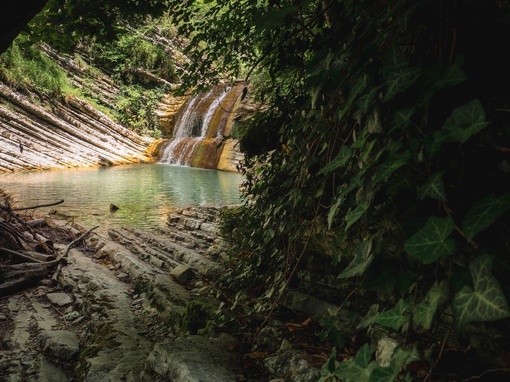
(199, 130)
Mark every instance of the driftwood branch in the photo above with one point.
(7, 208)
(19, 255)
(72, 243)
(38, 206)
(17, 275)
(67, 249)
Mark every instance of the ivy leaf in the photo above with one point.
(390, 165)
(434, 141)
(395, 317)
(353, 94)
(343, 158)
(402, 118)
(434, 188)
(431, 243)
(364, 355)
(369, 318)
(399, 79)
(426, 309)
(398, 74)
(354, 215)
(483, 213)
(329, 367)
(361, 261)
(465, 121)
(366, 102)
(353, 371)
(334, 208)
(486, 302)
(444, 79)
(383, 374)
(366, 149)
(399, 359)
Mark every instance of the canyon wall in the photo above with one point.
(63, 135)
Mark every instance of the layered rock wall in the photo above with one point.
(72, 134)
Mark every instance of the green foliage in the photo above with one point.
(198, 315)
(141, 67)
(483, 213)
(363, 368)
(138, 49)
(485, 301)
(31, 69)
(135, 108)
(425, 311)
(379, 131)
(71, 21)
(432, 242)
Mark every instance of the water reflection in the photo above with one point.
(145, 194)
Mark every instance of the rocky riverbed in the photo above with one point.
(114, 310)
(132, 306)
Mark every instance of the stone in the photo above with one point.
(384, 352)
(61, 344)
(195, 358)
(309, 305)
(287, 362)
(60, 299)
(49, 372)
(182, 273)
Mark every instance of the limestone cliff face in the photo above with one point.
(37, 132)
(63, 135)
(167, 112)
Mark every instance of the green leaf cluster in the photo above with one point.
(31, 69)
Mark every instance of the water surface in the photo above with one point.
(144, 193)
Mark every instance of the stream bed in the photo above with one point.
(144, 193)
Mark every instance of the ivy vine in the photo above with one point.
(383, 147)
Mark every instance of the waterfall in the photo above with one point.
(199, 130)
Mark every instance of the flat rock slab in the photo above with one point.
(60, 299)
(120, 317)
(195, 359)
(62, 344)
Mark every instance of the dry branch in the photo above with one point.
(15, 276)
(20, 255)
(38, 206)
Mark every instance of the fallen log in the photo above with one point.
(38, 223)
(20, 255)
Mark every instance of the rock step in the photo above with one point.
(194, 228)
(115, 348)
(205, 214)
(195, 240)
(200, 263)
(135, 333)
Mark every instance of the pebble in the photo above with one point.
(60, 299)
(78, 320)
